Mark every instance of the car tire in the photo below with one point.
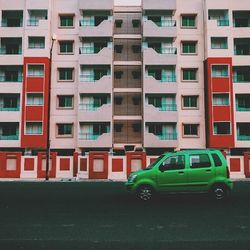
(145, 193)
(219, 192)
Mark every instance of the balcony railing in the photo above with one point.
(36, 45)
(166, 23)
(168, 136)
(241, 52)
(168, 107)
(88, 136)
(243, 137)
(33, 22)
(242, 108)
(9, 137)
(90, 78)
(169, 51)
(168, 79)
(11, 79)
(87, 107)
(4, 51)
(87, 23)
(223, 22)
(4, 23)
(241, 78)
(3, 108)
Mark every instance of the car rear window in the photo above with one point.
(217, 160)
(200, 161)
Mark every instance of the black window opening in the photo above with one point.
(200, 161)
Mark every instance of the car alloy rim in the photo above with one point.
(145, 194)
(219, 193)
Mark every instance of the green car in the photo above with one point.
(183, 171)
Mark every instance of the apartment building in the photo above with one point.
(165, 75)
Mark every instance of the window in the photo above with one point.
(190, 130)
(118, 23)
(36, 42)
(220, 71)
(66, 47)
(118, 74)
(173, 163)
(220, 99)
(136, 49)
(64, 129)
(190, 101)
(219, 43)
(199, 161)
(34, 128)
(65, 101)
(189, 74)
(118, 48)
(188, 21)
(35, 70)
(217, 160)
(189, 47)
(65, 74)
(34, 99)
(136, 23)
(222, 128)
(66, 21)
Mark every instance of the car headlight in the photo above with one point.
(132, 178)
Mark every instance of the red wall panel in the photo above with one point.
(29, 164)
(64, 164)
(214, 113)
(234, 164)
(117, 165)
(138, 156)
(35, 84)
(101, 156)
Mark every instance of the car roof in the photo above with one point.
(192, 151)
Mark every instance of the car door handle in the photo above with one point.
(208, 170)
(180, 172)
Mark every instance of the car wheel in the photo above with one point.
(145, 193)
(219, 192)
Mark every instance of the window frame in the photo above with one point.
(71, 135)
(189, 15)
(66, 53)
(65, 80)
(189, 53)
(190, 69)
(66, 15)
(198, 167)
(65, 107)
(188, 108)
(191, 135)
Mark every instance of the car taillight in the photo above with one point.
(228, 173)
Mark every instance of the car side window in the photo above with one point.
(217, 160)
(173, 163)
(199, 161)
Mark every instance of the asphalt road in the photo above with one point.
(102, 215)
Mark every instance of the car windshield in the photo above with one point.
(154, 162)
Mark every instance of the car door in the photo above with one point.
(200, 171)
(171, 174)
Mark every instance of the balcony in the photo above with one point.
(166, 56)
(167, 112)
(151, 85)
(103, 85)
(9, 131)
(241, 19)
(165, 140)
(90, 29)
(241, 46)
(11, 46)
(152, 29)
(12, 18)
(243, 131)
(37, 18)
(9, 102)
(94, 135)
(11, 73)
(127, 132)
(241, 74)
(243, 102)
(220, 16)
(159, 5)
(89, 112)
(104, 55)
